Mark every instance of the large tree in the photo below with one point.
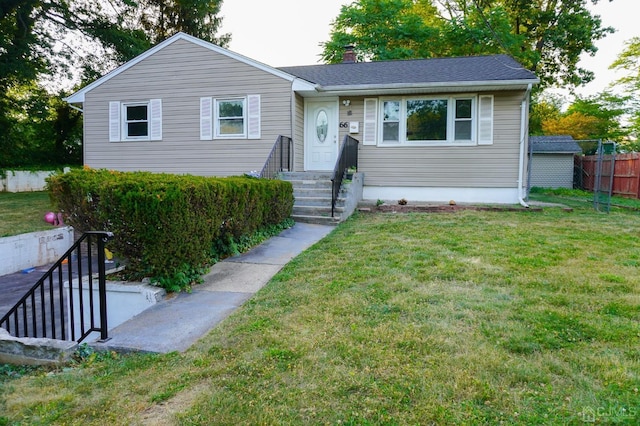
(46, 42)
(382, 30)
(162, 18)
(547, 36)
(628, 62)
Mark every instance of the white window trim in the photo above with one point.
(125, 129)
(451, 119)
(118, 130)
(216, 118)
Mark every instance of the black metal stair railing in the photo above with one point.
(280, 159)
(348, 158)
(72, 312)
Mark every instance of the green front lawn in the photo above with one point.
(452, 318)
(23, 212)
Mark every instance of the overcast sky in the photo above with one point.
(288, 32)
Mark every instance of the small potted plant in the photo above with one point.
(350, 171)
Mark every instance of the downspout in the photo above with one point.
(524, 125)
(292, 118)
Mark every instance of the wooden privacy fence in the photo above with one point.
(626, 173)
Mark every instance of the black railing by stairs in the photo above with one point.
(51, 311)
(280, 159)
(347, 159)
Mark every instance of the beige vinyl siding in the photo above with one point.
(487, 166)
(179, 75)
(357, 114)
(298, 134)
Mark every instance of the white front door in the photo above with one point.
(321, 135)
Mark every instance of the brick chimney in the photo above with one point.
(349, 56)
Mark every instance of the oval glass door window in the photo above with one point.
(322, 125)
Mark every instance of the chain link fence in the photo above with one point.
(562, 162)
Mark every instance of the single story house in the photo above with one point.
(552, 161)
(428, 130)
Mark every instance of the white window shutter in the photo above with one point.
(485, 120)
(370, 122)
(206, 120)
(253, 117)
(114, 121)
(155, 119)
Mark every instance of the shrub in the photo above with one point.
(167, 226)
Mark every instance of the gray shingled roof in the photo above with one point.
(417, 71)
(554, 144)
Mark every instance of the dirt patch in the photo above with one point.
(164, 412)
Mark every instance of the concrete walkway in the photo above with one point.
(176, 322)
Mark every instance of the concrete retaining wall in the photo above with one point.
(25, 181)
(33, 249)
(353, 195)
(30, 351)
(124, 301)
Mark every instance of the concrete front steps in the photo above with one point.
(312, 193)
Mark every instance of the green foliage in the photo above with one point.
(166, 226)
(86, 355)
(36, 127)
(547, 37)
(160, 19)
(594, 117)
(608, 110)
(11, 372)
(380, 30)
(543, 107)
(629, 62)
(39, 130)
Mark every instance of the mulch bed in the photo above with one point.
(417, 208)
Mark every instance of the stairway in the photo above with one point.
(312, 193)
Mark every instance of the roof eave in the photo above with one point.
(554, 152)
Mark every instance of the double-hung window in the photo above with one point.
(230, 118)
(391, 121)
(463, 120)
(135, 121)
(431, 120)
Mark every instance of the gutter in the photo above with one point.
(74, 107)
(524, 125)
(467, 85)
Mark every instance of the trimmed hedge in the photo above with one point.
(167, 226)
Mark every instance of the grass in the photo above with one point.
(23, 212)
(582, 198)
(453, 318)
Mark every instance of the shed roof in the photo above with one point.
(554, 144)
